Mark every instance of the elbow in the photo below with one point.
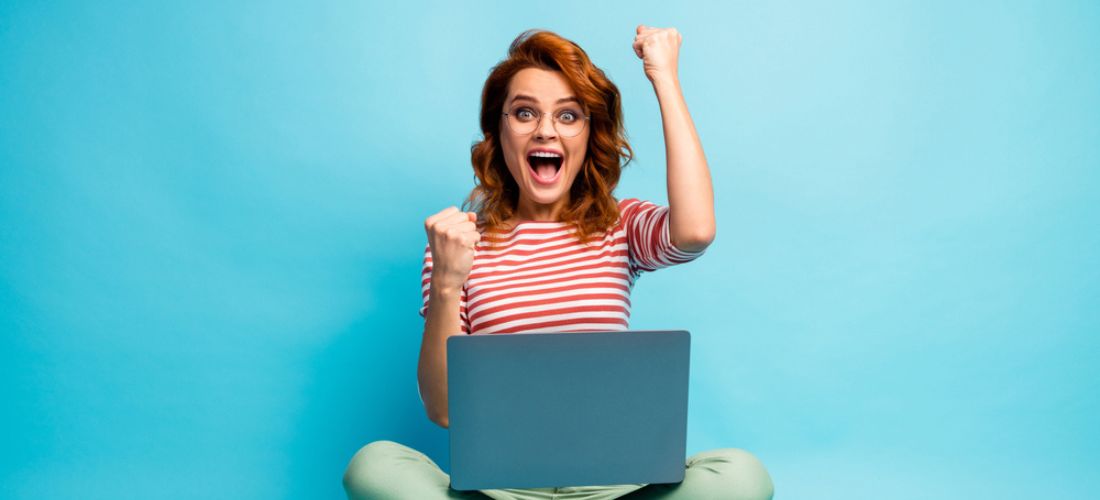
(439, 417)
(441, 420)
(696, 241)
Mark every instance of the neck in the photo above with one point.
(530, 211)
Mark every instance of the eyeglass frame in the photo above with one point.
(553, 123)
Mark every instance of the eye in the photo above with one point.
(568, 116)
(524, 114)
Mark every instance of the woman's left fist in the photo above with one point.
(659, 49)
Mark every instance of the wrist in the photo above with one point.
(444, 290)
(665, 82)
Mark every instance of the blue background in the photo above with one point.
(211, 236)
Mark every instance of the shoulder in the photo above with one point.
(626, 202)
(633, 204)
(630, 207)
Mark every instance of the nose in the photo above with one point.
(546, 128)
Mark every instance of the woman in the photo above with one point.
(547, 247)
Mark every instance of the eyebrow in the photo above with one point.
(532, 99)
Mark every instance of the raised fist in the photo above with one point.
(453, 237)
(659, 50)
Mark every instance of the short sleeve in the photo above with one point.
(426, 287)
(648, 238)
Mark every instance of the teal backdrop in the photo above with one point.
(211, 231)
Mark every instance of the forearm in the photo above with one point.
(690, 193)
(441, 321)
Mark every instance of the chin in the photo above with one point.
(545, 195)
(545, 198)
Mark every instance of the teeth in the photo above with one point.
(545, 154)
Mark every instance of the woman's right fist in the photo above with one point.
(452, 236)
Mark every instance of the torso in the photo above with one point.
(537, 277)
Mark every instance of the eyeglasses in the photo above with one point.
(567, 122)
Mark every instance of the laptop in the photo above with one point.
(542, 410)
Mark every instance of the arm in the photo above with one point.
(440, 322)
(452, 238)
(690, 194)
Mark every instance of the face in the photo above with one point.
(543, 162)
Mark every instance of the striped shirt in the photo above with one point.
(538, 277)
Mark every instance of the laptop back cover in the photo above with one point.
(567, 409)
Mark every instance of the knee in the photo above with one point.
(738, 473)
(366, 472)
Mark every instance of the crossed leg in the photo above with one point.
(390, 470)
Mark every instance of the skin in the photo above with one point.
(549, 92)
(452, 234)
(690, 193)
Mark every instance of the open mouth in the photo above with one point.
(545, 165)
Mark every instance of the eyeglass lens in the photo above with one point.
(568, 122)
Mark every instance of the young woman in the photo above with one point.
(548, 248)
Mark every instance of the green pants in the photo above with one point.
(389, 470)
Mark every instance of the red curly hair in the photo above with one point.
(592, 208)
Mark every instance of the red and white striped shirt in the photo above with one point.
(538, 277)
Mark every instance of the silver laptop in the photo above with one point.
(540, 410)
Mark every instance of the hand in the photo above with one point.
(659, 50)
(453, 237)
